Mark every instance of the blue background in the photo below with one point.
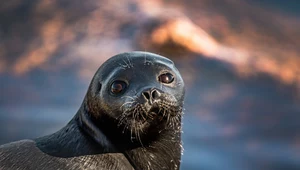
(243, 82)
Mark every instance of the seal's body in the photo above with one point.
(129, 119)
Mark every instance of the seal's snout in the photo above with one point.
(151, 95)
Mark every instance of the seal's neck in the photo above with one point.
(70, 141)
(89, 127)
(162, 153)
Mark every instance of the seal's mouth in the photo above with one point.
(154, 112)
(139, 119)
(143, 113)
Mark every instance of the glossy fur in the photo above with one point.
(139, 128)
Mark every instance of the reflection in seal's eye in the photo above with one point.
(118, 86)
(166, 78)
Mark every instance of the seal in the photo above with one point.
(130, 118)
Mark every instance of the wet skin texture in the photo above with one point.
(130, 118)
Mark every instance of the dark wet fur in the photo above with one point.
(113, 132)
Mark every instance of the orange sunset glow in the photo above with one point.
(240, 61)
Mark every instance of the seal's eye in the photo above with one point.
(166, 78)
(118, 87)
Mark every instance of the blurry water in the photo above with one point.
(230, 123)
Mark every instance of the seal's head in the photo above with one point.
(136, 94)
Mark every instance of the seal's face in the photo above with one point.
(139, 91)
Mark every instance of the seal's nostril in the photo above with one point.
(146, 95)
(155, 94)
(151, 95)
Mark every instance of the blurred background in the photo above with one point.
(240, 61)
